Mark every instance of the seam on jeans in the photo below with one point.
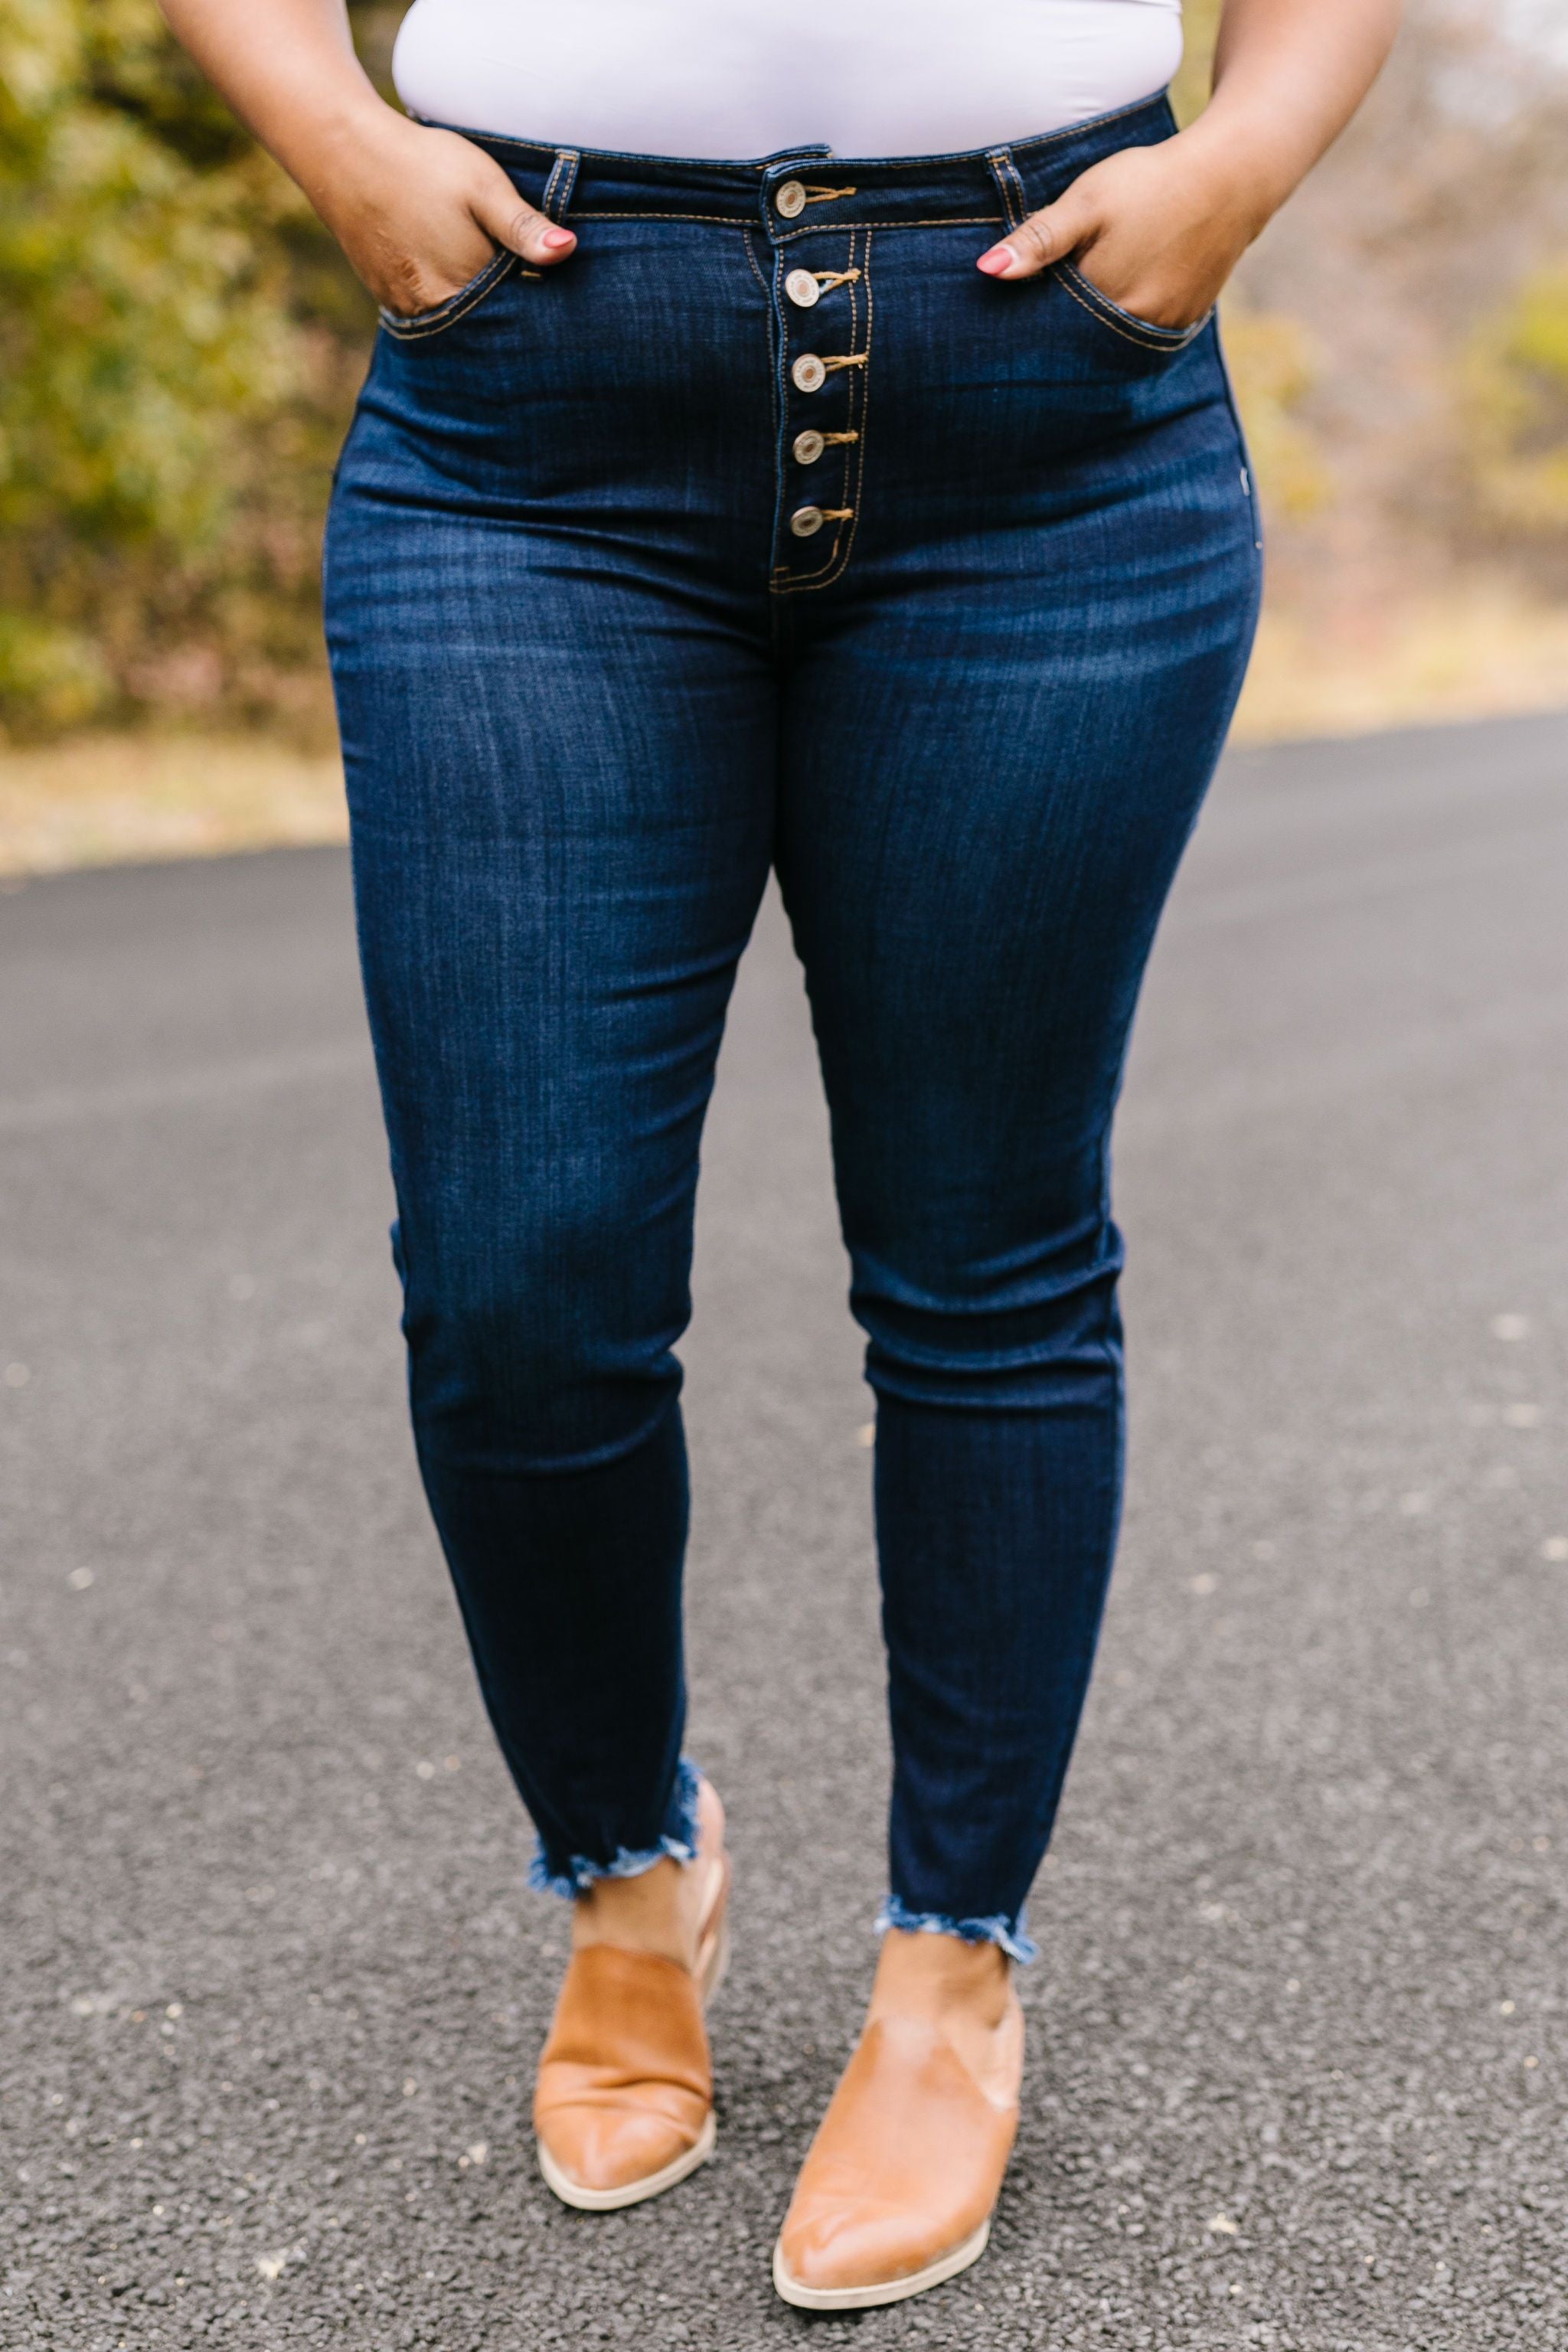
(1154, 338)
(788, 237)
(750, 256)
(838, 561)
(562, 181)
(446, 314)
(774, 409)
(1009, 187)
(1244, 456)
(711, 220)
(946, 220)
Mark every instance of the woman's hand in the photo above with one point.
(1159, 229)
(1147, 228)
(419, 212)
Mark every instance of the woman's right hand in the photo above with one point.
(419, 211)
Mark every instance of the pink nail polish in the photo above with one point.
(998, 261)
(556, 237)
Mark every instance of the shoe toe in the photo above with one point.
(859, 2244)
(603, 2149)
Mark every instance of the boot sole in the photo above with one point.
(865, 2298)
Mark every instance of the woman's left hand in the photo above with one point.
(1152, 228)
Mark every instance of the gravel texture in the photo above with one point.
(272, 1988)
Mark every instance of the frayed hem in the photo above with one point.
(581, 1873)
(1010, 1934)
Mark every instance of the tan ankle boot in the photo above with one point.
(623, 2107)
(898, 2190)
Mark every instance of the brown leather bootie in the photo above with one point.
(623, 2106)
(898, 2190)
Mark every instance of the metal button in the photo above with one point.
(802, 289)
(791, 199)
(808, 374)
(805, 522)
(808, 448)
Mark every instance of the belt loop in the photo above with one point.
(562, 181)
(1009, 186)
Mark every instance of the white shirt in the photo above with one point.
(732, 78)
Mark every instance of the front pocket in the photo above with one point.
(1126, 324)
(445, 314)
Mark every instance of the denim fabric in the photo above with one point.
(592, 683)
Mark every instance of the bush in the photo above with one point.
(1516, 401)
(175, 364)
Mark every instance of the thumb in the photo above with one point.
(1044, 238)
(516, 225)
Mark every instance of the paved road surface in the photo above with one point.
(272, 1992)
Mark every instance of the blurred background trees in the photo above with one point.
(180, 344)
(179, 347)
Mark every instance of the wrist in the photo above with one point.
(325, 148)
(1238, 169)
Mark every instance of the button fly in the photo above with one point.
(806, 522)
(790, 199)
(808, 374)
(808, 448)
(802, 289)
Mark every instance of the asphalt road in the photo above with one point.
(272, 1989)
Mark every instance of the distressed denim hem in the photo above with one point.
(1010, 1934)
(678, 1845)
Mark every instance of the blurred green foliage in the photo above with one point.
(175, 369)
(1516, 395)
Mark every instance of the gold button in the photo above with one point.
(802, 289)
(808, 448)
(806, 520)
(791, 199)
(808, 374)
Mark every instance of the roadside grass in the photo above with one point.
(105, 799)
(1482, 653)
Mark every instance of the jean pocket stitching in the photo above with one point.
(456, 306)
(1126, 324)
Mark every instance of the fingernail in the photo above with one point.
(557, 237)
(998, 261)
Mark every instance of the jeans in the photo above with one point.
(768, 533)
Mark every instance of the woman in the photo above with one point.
(885, 523)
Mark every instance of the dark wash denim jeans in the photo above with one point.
(643, 575)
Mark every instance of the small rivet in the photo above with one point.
(790, 199)
(806, 520)
(808, 448)
(802, 290)
(808, 374)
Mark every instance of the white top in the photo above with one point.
(732, 78)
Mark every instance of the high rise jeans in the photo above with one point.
(768, 533)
